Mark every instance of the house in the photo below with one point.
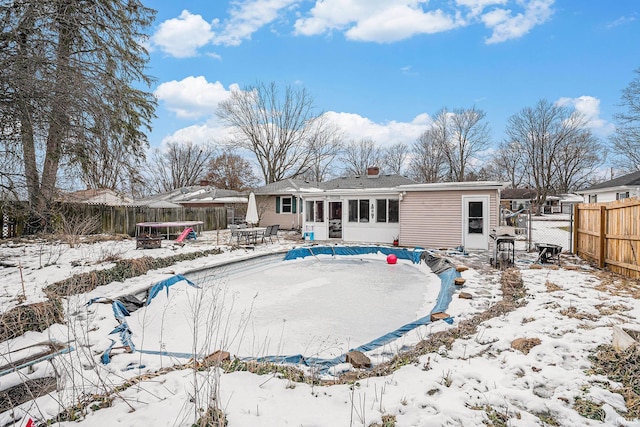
(199, 196)
(515, 199)
(97, 196)
(615, 189)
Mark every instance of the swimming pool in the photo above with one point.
(315, 307)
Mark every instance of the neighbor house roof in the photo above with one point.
(98, 196)
(629, 180)
(518, 194)
(196, 194)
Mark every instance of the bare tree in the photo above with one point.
(626, 140)
(325, 144)
(231, 171)
(462, 135)
(179, 165)
(395, 158)
(577, 162)
(508, 163)
(276, 126)
(543, 132)
(359, 155)
(69, 71)
(427, 163)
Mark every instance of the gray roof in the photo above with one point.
(193, 193)
(288, 185)
(631, 180)
(364, 181)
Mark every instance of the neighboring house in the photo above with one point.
(615, 189)
(515, 199)
(97, 196)
(199, 196)
(568, 200)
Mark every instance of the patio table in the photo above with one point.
(250, 235)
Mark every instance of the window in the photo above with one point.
(475, 218)
(623, 195)
(364, 210)
(286, 205)
(394, 210)
(353, 211)
(359, 210)
(315, 211)
(309, 213)
(319, 205)
(593, 198)
(387, 210)
(381, 210)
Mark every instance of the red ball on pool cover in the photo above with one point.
(391, 259)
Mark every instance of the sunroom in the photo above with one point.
(369, 215)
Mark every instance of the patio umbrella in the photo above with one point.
(252, 210)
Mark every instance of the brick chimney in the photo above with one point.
(373, 172)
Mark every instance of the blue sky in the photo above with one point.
(381, 68)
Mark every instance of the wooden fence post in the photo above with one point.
(576, 225)
(602, 246)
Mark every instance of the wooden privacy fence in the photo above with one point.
(123, 219)
(608, 234)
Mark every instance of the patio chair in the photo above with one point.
(274, 232)
(234, 233)
(266, 234)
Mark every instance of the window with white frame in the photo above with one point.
(387, 210)
(315, 211)
(286, 204)
(593, 198)
(622, 195)
(359, 210)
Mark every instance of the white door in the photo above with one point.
(475, 222)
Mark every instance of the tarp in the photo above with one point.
(402, 253)
(442, 267)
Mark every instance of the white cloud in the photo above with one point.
(378, 21)
(507, 26)
(589, 107)
(385, 134)
(385, 21)
(623, 20)
(192, 97)
(249, 16)
(209, 132)
(478, 6)
(399, 23)
(182, 36)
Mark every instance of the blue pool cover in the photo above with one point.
(442, 267)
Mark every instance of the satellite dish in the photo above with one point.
(184, 190)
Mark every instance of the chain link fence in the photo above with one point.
(531, 229)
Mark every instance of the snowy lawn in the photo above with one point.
(481, 379)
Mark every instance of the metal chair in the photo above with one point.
(234, 233)
(274, 232)
(266, 234)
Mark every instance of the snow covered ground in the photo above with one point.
(480, 377)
